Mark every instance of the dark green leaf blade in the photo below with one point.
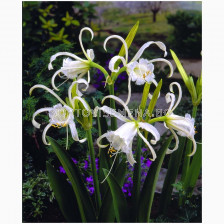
(83, 199)
(107, 210)
(148, 191)
(119, 200)
(173, 167)
(64, 194)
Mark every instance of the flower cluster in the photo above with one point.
(140, 71)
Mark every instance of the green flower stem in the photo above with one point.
(187, 158)
(137, 166)
(112, 105)
(95, 65)
(114, 77)
(93, 166)
(144, 100)
(136, 179)
(162, 119)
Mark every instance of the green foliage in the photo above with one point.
(186, 39)
(36, 191)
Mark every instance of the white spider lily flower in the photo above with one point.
(122, 138)
(183, 125)
(74, 69)
(61, 115)
(139, 71)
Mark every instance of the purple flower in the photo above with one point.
(86, 165)
(142, 158)
(74, 160)
(148, 163)
(61, 169)
(91, 190)
(89, 179)
(144, 149)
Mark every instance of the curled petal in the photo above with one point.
(156, 84)
(179, 96)
(48, 90)
(99, 139)
(150, 128)
(90, 53)
(166, 61)
(170, 98)
(130, 158)
(74, 132)
(80, 41)
(122, 40)
(188, 134)
(36, 124)
(150, 147)
(77, 91)
(53, 57)
(113, 62)
(129, 90)
(146, 45)
(110, 111)
(53, 79)
(86, 106)
(194, 147)
(44, 134)
(121, 102)
(169, 151)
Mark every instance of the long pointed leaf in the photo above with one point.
(194, 171)
(64, 194)
(119, 200)
(83, 199)
(173, 167)
(148, 191)
(107, 209)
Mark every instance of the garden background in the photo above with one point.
(50, 27)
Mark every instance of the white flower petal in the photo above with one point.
(122, 40)
(150, 147)
(179, 96)
(156, 84)
(91, 54)
(150, 128)
(146, 45)
(36, 124)
(169, 151)
(129, 91)
(74, 132)
(84, 103)
(170, 98)
(53, 57)
(44, 134)
(48, 90)
(110, 111)
(100, 138)
(130, 158)
(166, 61)
(121, 102)
(80, 40)
(113, 62)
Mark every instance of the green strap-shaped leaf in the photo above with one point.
(104, 159)
(180, 68)
(148, 191)
(193, 171)
(107, 209)
(84, 202)
(129, 38)
(119, 200)
(154, 99)
(64, 194)
(173, 167)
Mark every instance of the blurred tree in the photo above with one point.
(154, 8)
